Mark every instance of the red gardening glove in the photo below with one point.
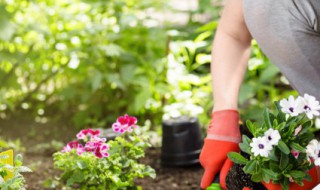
(223, 137)
(224, 172)
(308, 185)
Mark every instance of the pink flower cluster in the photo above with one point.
(124, 124)
(93, 143)
(97, 145)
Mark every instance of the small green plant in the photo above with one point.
(10, 176)
(282, 149)
(92, 163)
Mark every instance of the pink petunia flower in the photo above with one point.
(102, 151)
(124, 124)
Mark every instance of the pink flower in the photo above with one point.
(74, 145)
(124, 124)
(94, 143)
(92, 146)
(101, 151)
(98, 139)
(295, 153)
(80, 149)
(88, 132)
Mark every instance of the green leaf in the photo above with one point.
(273, 155)
(251, 127)
(82, 165)
(281, 126)
(274, 167)
(250, 167)
(237, 158)
(246, 140)
(256, 177)
(297, 174)
(284, 160)
(297, 147)
(267, 118)
(245, 148)
(281, 116)
(269, 172)
(283, 147)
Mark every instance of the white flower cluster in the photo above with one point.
(263, 145)
(313, 151)
(306, 104)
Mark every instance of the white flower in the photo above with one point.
(313, 151)
(260, 147)
(310, 106)
(272, 136)
(292, 106)
(312, 148)
(317, 161)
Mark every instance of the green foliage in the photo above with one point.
(117, 171)
(17, 182)
(280, 166)
(91, 58)
(86, 59)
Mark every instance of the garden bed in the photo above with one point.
(36, 138)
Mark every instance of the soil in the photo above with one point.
(40, 140)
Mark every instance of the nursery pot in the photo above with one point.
(181, 142)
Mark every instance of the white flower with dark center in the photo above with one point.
(310, 106)
(260, 146)
(292, 106)
(272, 136)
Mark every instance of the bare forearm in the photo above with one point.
(229, 63)
(230, 54)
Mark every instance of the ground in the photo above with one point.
(40, 140)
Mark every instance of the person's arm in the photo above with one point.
(230, 54)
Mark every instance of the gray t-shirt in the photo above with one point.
(288, 31)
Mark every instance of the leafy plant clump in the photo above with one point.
(10, 176)
(282, 149)
(93, 163)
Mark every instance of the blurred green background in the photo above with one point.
(89, 61)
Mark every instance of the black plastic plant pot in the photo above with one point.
(181, 142)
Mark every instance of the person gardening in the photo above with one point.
(288, 32)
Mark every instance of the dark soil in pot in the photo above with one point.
(236, 178)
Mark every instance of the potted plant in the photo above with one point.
(280, 153)
(92, 163)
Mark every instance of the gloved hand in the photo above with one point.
(224, 172)
(223, 137)
(308, 185)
